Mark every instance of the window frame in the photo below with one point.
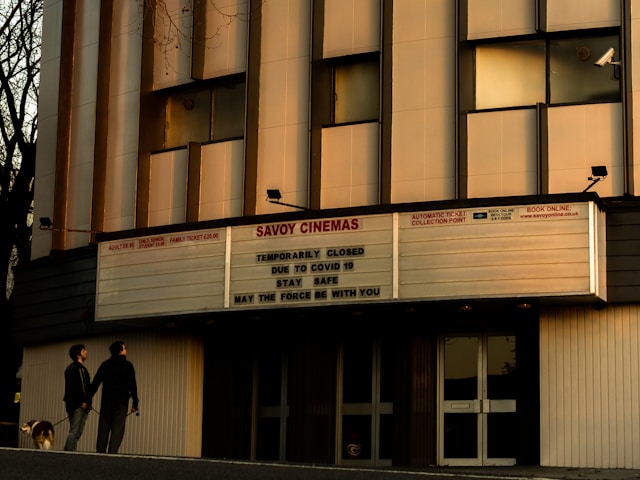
(346, 61)
(210, 86)
(547, 40)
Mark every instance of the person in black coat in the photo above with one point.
(118, 379)
(77, 395)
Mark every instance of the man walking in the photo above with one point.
(77, 395)
(118, 379)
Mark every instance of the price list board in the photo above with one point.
(161, 275)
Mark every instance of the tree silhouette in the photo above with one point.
(20, 55)
(20, 42)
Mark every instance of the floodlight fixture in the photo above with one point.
(47, 224)
(274, 196)
(598, 172)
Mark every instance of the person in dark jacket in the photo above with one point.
(118, 379)
(77, 395)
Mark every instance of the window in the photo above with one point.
(188, 117)
(213, 112)
(228, 111)
(510, 74)
(356, 91)
(573, 76)
(516, 74)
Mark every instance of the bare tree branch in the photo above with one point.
(170, 33)
(20, 37)
(20, 47)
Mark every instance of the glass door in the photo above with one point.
(270, 408)
(477, 400)
(365, 404)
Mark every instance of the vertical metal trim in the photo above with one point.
(63, 133)
(375, 401)
(142, 189)
(542, 147)
(98, 198)
(284, 406)
(152, 117)
(198, 42)
(440, 400)
(339, 398)
(541, 15)
(395, 256)
(463, 97)
(457, 113)
(227, 268)
(252, 102)
(483, 401)
(254, 407)
(319, 102)
(593, 249)
(627, 97)
(386, 100)
(194, 164)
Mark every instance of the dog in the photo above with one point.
(41, 432)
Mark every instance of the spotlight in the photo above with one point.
(598, 173)
(274, 196)
(47, 224)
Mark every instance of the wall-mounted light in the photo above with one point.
(47, 224)
(274, 196)
(598, 173)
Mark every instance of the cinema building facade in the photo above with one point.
(369, 232)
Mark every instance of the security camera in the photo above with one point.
(606, 58)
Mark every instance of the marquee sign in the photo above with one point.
(312, 262)
(161, 274)
(547, 250)
(515, 251)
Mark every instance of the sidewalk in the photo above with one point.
(30, 464)
(538, 472)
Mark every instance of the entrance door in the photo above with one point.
(269, 421)
(477, 400)
(365, 403)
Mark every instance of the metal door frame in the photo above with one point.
(280, 411)
(481, 406)
(374, 409)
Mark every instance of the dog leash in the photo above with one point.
(137, 412)
(63, 419)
